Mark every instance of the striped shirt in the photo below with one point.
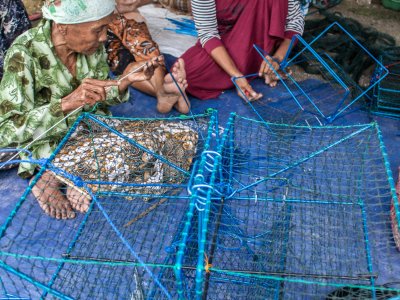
(205, 18)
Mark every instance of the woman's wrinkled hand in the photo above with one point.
(89, 93)
(245, 90)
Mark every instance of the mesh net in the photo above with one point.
(256, 211)
(306, 215)
(329, 89)
(387, 92)
(115, 201)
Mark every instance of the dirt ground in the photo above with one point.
(374, 15)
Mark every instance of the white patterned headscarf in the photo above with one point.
(77, 11)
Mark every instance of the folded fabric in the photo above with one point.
(177, 6)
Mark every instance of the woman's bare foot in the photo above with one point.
(79, 200)
(165, 101)
(172, 95)
(50, 198)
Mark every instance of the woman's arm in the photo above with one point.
(224, 60)
(294, 25)
(294, 20)
(20, 115)
(205, 18)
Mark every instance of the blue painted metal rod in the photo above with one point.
(85, 261)
(34, 282)
(129, 247)
(41, 171)
(367, 247)
(120, 194)
(301, 201)
(135, 184)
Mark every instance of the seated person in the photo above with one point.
(227, 31)
(14, 21)
(129, 40)
(52, 70)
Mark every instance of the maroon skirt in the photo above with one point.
(241, 23)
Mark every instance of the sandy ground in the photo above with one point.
(374, 15)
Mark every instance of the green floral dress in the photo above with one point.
(33, 84)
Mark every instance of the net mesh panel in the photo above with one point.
(387, 93)
(10, 287)
(327, 89)
(302, 98)
(157, 152)
(307, 215)
(123, 245)
(260, 211)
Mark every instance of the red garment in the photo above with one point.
(241, 23)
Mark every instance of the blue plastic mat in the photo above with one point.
(140, 105)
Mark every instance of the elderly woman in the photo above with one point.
(50, 71)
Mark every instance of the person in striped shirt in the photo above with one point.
(227, 30)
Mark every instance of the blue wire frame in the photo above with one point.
(47, 288)
(209, 200)
(387, 100)
(205, 193)
(327, 62)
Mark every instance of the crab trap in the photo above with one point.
(116, 201)
(328, 90)
(387, 91)
(178, 209)
(299, 213)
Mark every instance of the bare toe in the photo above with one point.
(79, 201)
(50, 198)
